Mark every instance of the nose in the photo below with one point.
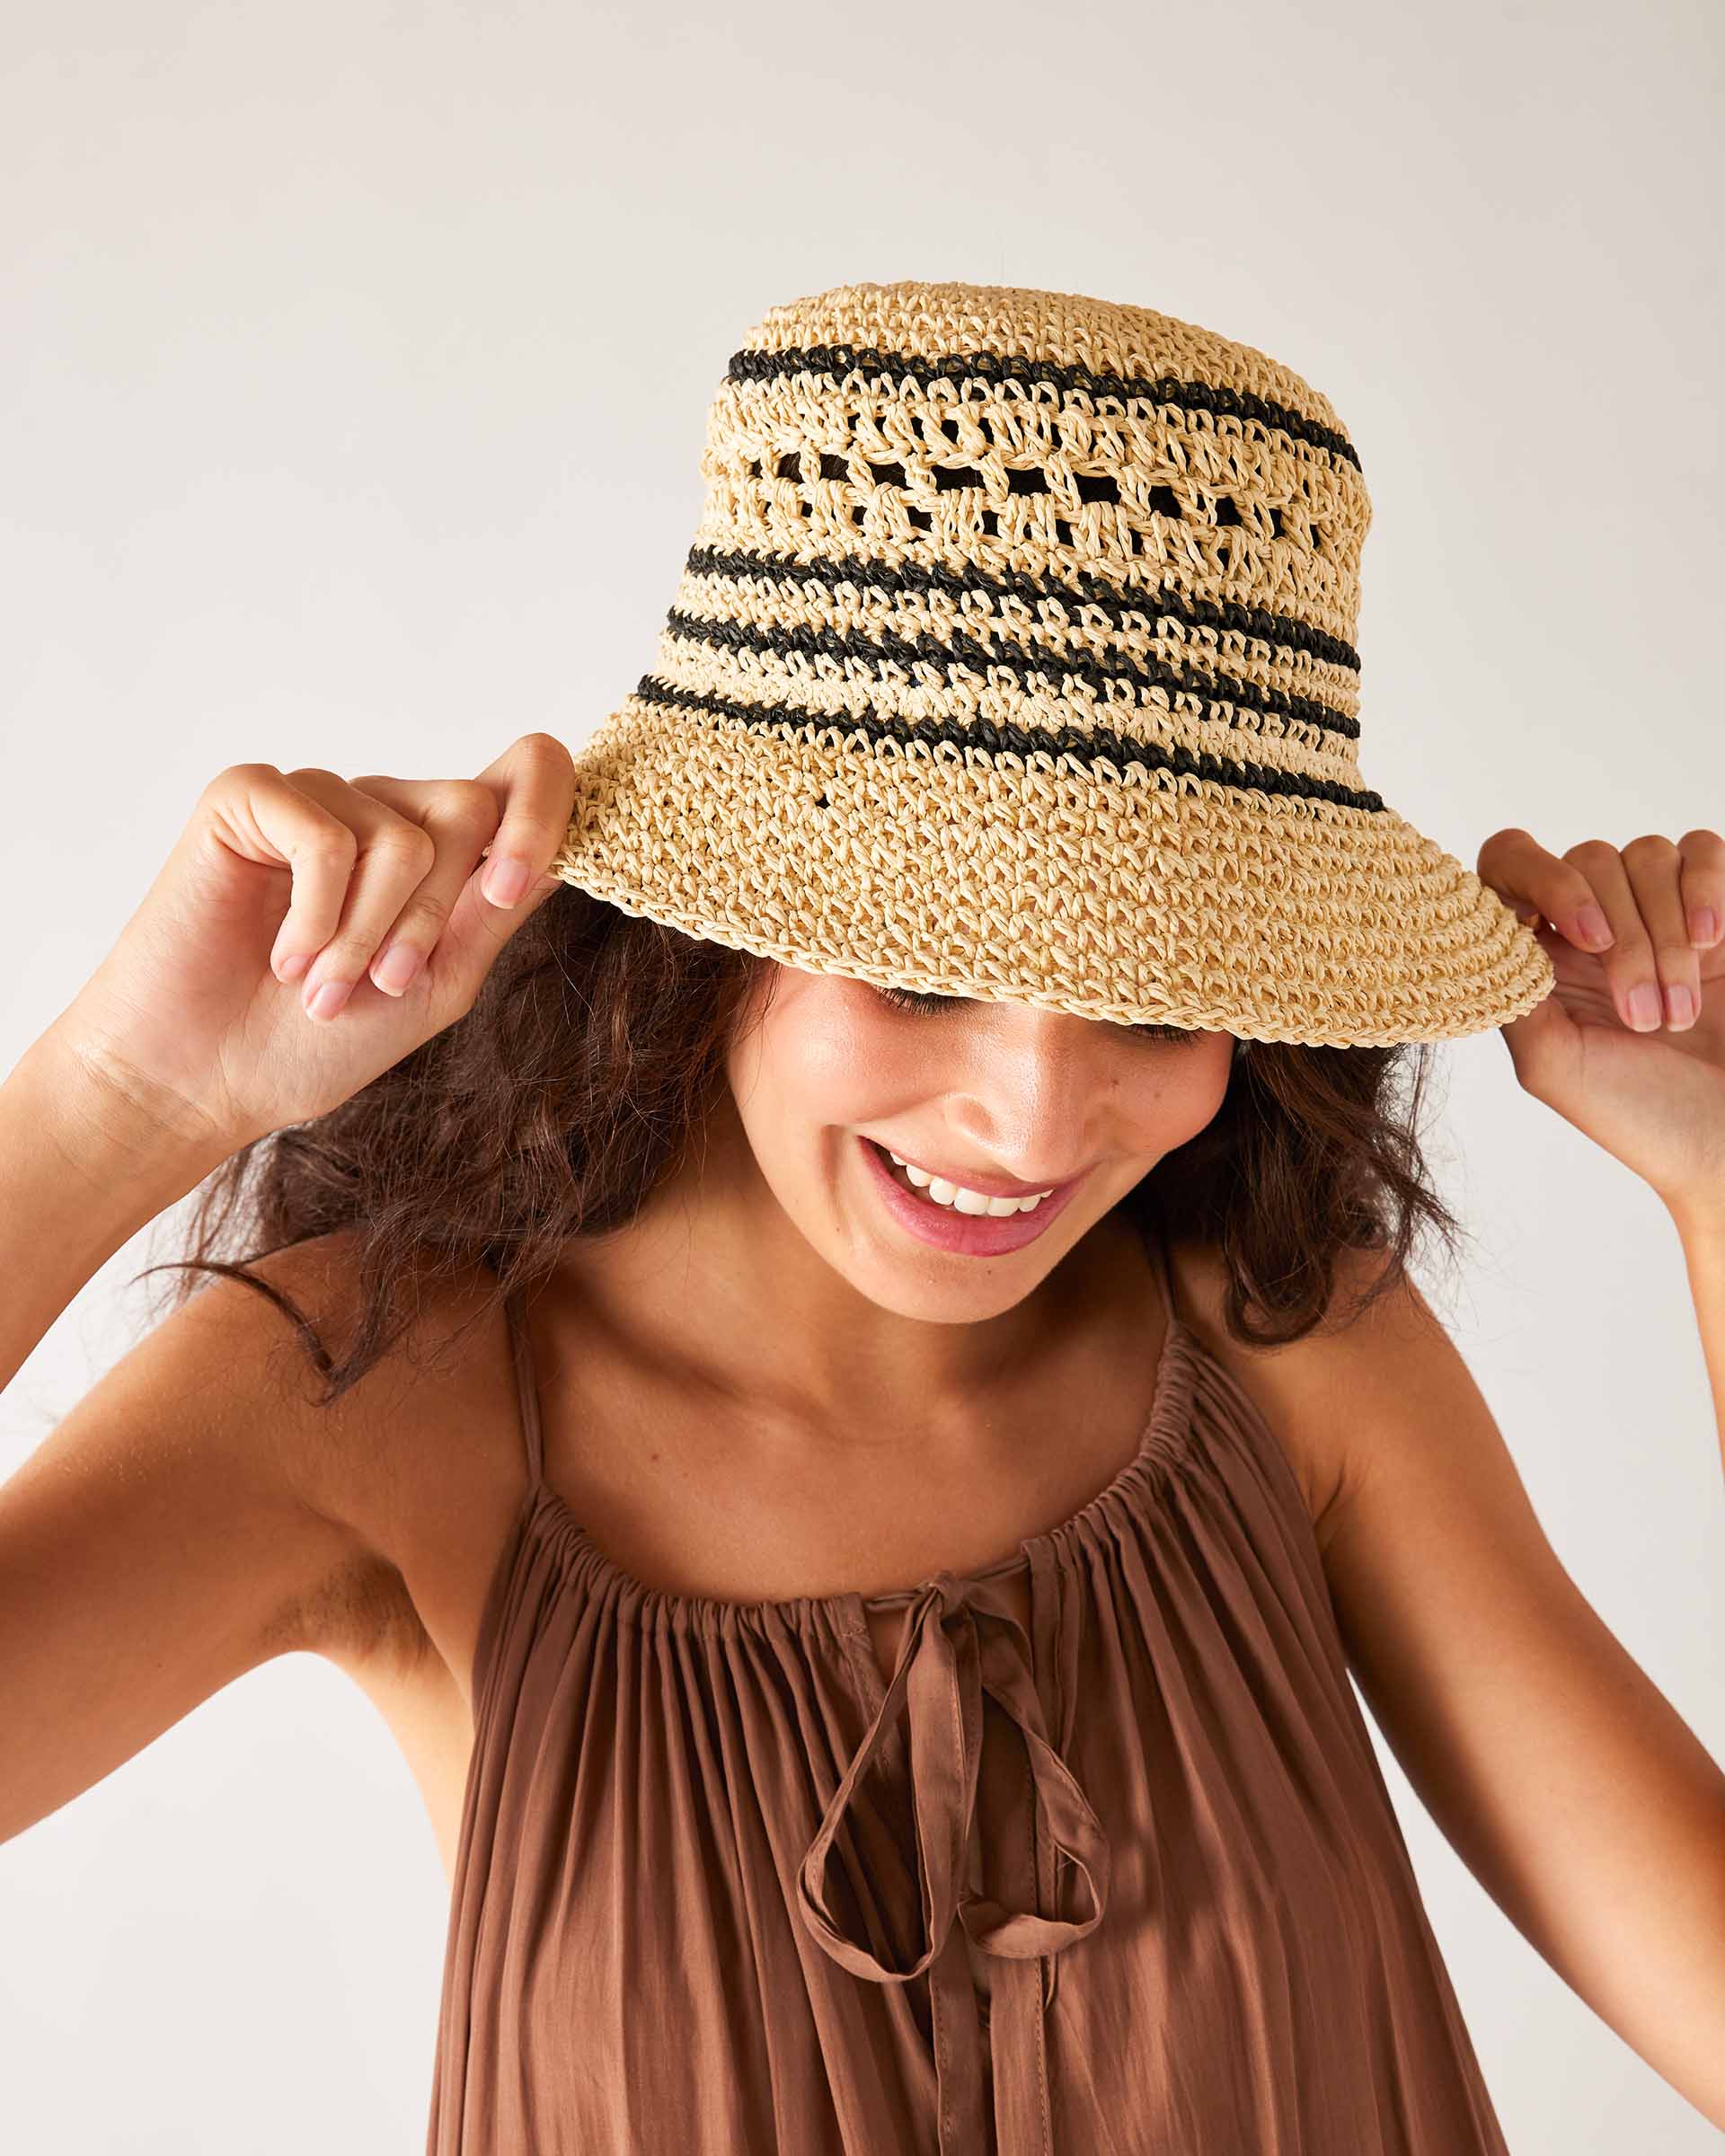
(1037, 1085)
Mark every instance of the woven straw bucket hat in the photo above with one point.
(1014, 659)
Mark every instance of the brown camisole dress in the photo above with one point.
(1108, 1869)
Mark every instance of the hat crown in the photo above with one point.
(1000, 471)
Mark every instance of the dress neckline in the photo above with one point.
(1159, 1438)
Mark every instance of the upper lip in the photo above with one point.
(985, 1186)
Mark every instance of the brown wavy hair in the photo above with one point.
(584, 1075)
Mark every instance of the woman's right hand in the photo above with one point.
(283, 883)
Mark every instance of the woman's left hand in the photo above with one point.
(1630, 1044)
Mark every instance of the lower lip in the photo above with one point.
(972, 1234)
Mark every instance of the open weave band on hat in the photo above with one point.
(1014, 658)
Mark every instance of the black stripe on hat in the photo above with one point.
(1020, 741)
(1029, 660)
(1123, 605)
(1213, 397)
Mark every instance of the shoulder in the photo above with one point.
(1377, 1360)
(430, 1424)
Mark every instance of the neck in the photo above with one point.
(713, 1284)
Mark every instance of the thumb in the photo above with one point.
(477, 931)
(537, 892)
(507, 921)
(1540, 1042)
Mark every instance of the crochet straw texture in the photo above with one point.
(1014, 658)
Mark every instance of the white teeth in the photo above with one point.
(960, 1199)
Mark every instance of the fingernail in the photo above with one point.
(506, 880)
(1644, 1007)
(1679, 1007)
(1703, 925)
(292, 967)
(396, 968)
(328, 999)
(1593, 926)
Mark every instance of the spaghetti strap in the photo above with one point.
(526, 1389)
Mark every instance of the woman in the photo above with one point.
(944, 1129)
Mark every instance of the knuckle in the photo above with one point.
(544, 749)
(1588, 852)
(243, 773)
(329, 839)
(427, 911)
(1652, 845)
(409, 842)
(467, 805)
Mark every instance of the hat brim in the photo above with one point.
(1126, 894)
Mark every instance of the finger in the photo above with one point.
(534, 780)
(1540, 887)
(1704, 886)
(1630, 964)
(392, 856)
(1654, 869)
(270, 818)
(459, 816)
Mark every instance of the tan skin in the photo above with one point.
(759, 1389)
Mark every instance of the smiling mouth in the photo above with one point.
(976, 1203)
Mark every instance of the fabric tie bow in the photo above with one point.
(960, 1641)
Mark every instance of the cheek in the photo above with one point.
(820, 1066)
(843, 1073)
(1185, 1096)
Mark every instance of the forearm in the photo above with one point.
(1702, 1231)
(82, 1167)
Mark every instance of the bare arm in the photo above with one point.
(191, 1516)
(84, 1165)
(174, 1529)
(1569, 1784)
(1700, 1228)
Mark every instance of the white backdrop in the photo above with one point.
(355, 366)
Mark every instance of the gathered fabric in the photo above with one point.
(1123, 1878)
